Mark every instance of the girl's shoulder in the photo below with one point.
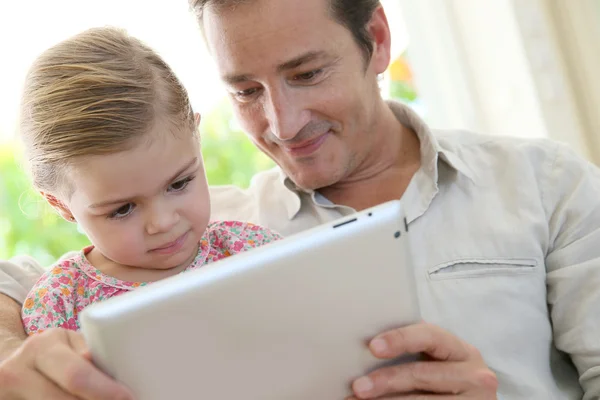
(66, 270)
(227, 231)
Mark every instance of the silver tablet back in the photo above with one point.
(286, 321)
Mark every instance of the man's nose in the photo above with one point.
(286, 113)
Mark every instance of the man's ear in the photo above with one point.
(379, 30)
(59, 206)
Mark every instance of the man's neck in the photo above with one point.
(386, 171)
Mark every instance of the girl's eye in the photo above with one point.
(122, 211)
(128, 208)
(180, 185)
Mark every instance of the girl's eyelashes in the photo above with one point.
(126, 210)
(122, 211)
(180, 185)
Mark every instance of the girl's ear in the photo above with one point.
(197, 119)
(59, 206)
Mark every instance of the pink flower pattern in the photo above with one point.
(72, 284)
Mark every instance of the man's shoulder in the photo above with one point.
(464, 139)
(480, 150)
(266, 190)
(545, 165)
(269, 178)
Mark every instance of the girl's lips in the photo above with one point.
(172, 247)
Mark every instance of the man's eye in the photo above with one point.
(242, 94)
(122, 212)
(308, 76)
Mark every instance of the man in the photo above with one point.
(504, 231)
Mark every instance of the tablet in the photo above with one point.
(289, 320)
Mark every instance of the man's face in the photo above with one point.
(300, 84)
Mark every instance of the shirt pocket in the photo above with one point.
(482, 267)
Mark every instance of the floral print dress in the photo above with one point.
(72, 284)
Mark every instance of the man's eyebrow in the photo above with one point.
(301, 59)
(128, 200)
(233, 79)
(291, 64)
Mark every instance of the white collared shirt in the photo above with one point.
(505, 237)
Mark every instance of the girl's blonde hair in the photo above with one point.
(95, 93)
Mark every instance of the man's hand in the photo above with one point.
(56, 365)
(12, 333)
(453, 369)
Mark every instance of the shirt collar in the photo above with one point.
(290, 195)
(431, 154)
(431, 150)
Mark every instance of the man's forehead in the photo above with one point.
(252, 19)
(223, 6)
(246, 36)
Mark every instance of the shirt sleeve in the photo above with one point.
(572, 200)
(50, 303)
(18, 275)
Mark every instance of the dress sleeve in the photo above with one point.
(51, 303)
(232, 237)
(257, 235)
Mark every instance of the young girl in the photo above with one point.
(112, 144)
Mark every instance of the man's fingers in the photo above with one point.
(77, 343)
(455, 367)
(427, 376)
(12, 386)
(41, 388)
(77, 375)
(416, 396)
(421, 338)
(51, 366)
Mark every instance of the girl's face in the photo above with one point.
(147, 207)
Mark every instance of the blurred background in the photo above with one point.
(502, 67)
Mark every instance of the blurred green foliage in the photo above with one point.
(229, 157)
(29, 226)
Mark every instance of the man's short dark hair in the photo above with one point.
(353, 14)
